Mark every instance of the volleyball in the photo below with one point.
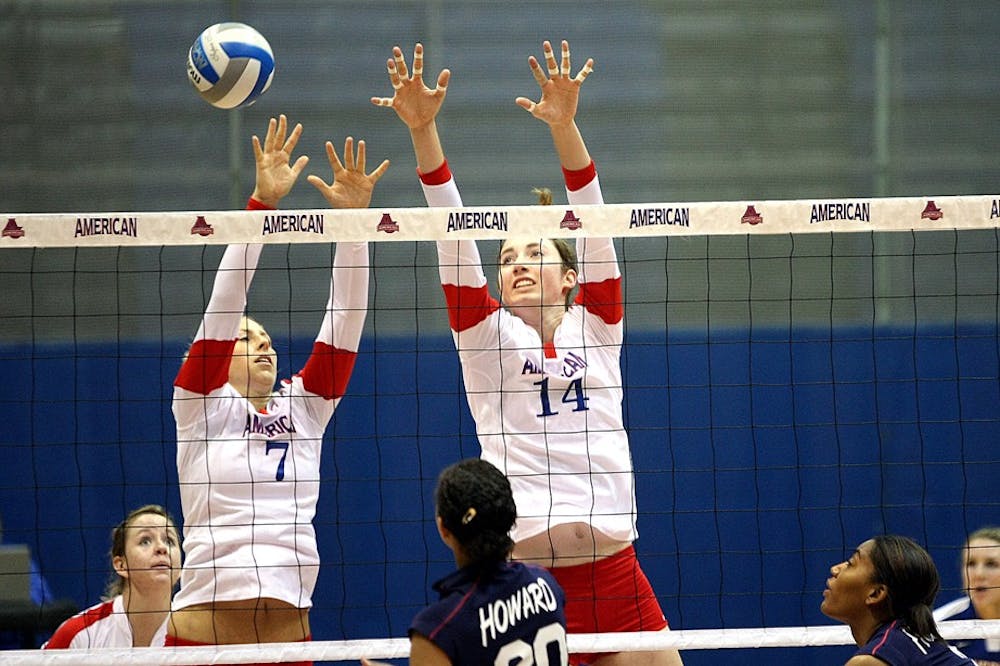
(230, 65)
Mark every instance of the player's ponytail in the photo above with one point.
(475, 504)
(912, 581)
(544, 195)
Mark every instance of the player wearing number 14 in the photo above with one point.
(542, 369)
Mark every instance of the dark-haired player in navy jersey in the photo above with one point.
(884, 592)
(491, 610)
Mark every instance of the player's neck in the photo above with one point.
(544, 319)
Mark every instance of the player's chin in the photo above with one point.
(263, 373)
(522, 298)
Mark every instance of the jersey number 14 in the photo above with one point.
(573, 395)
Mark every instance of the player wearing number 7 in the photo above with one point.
(542, 371)
(248, 457)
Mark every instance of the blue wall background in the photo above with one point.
(755, 470)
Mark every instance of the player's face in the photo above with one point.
(253, 369)
(982, 576)
(850, 583)
(532, 274)
(152, 553)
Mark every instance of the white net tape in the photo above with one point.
(396, 648)
(414, 224)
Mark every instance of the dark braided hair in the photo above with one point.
(475, 503)
(912, 581)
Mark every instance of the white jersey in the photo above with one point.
(549, 417)
(103, 625)
(249, 480)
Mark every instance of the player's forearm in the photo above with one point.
(570, 146)
(427, 147)
(597, 258)
(459, 264)
(347, 306)
(229, 292)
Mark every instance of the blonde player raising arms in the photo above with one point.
(248, 457)
(551, 418)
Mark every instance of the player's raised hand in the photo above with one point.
(560, 90)
(351, 186)
(414, 103)
(276, 173)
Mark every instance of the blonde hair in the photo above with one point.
(116, 584)
(990, 533)
(544, 195)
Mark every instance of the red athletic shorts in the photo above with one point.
(173, 640)
(608, 595)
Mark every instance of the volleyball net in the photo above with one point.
(799, 375)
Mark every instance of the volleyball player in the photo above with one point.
(146, 563)
(542, 371)
(884, 592)
(248, 457)
(981, 578)
(470, 624)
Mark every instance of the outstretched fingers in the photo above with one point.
(289, 144)
(399, 62)
(585, 71)
(418, 61)
(335, 163)
(562, 69)
(379, 171)
(550, 59)
(564, 66)
(442, 81)
(536, 71)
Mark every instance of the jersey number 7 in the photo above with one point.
(283, 446)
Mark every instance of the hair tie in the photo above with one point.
(469, 515)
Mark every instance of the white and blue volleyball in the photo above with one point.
(230, 65)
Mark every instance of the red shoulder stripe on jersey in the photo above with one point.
(578, 179)
(206, 367)
(885, 637)
(438, 176)
(454, 611)
(328, 370)
(467, 306)
(603, 299)
(253, 204)
(68, 630)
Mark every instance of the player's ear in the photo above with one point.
(120, 565)
(569, 279)
(446, 534)
(878, 594)
(443, 531)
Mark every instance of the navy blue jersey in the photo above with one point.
(897, 647)
(506, 613)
